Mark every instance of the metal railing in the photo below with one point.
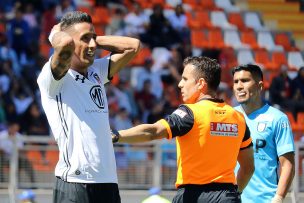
(139, 166)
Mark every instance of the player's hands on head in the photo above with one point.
(55, 29)
(61, 40)
(64, 47)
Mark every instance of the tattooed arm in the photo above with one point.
(64, 46)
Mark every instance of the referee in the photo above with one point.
(74, 100)
(211, 137)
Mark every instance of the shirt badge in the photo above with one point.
(180, 113)
(97, 78)
(261, 127)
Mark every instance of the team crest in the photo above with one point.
(261, 127)
(97, 78)
(97, 96)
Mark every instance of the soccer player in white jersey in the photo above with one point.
(271, 135)
(74, 99)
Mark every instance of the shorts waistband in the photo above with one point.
(210, 186)
(60, 179)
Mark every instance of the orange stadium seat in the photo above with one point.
(236, 19)
(199, 19)
(261, 56)
(52, 156)
(101, 15)
(208, 5)
(228, 60)
(85, 9)
(204, 16)
(145, 4)
(140, 58)
(2, 27)
(292, 120)
(216, 39)
(249, 37)
(192, 3)
(192, 22)
(300, 122)
(162, 2)
(199, 39)
(297, 126)
(36, 159)
(99, 29)
(44, 48)
(278, 58)
(283, 39)
(268, 77)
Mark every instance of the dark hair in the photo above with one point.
(74, 17)
(255, 70)
(206, 68)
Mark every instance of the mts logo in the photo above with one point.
(223, 127)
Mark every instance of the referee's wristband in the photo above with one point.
(115, 135)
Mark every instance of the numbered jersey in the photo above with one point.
(272, 137)
(77, 111)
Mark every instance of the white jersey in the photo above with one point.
(77, 111)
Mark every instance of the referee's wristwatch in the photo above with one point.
(115, 135)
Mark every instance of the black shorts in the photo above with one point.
(209, 193)
(65, 192)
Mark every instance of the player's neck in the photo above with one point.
(83, 72)
(252, 106)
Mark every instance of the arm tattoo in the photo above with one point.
(65, 55)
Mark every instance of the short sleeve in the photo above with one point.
(46, 81)
(102, 66)
(283, 136)
(247, 141)
(180, 122)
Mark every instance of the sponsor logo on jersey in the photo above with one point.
(180, 113)
(223, 129)
(80, 77)
(97, 96)
(220, 112)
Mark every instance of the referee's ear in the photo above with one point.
(203, 85)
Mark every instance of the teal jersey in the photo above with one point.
(271, 137)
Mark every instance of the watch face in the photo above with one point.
(115, 135)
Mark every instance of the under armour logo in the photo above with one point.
(78, 78)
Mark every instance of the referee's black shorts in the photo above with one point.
(65, 192)
(208, 193)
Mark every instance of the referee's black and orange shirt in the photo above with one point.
(209, 135)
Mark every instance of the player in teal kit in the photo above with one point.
(271, 136)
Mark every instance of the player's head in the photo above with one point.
(74, 17)
(79, 26)
(247, 83)
(201, 76)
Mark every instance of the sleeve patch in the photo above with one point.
(180, 113)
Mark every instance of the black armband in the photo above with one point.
(115, 135)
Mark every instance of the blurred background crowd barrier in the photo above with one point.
(139, 166)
